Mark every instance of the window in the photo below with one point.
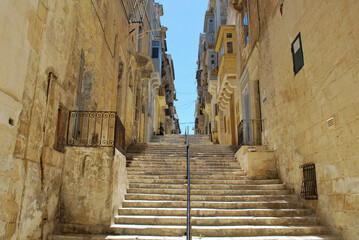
(229, 35)
(155, 52)
(245, 29)
(155, 49)
(211, 26)
(297, 54)
(229, 47)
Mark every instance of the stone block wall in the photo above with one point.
(41, 43)
(93, 188)
(258, 162)
(297, 107)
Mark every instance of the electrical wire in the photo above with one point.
(104, 33)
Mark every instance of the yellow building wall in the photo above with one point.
(297, 108)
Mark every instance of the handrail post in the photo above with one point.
(188, 190)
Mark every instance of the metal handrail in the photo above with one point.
(188, 189)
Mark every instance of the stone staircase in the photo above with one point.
(200, 139)
(225, 203)
(180, 139)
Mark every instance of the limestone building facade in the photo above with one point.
(288, 82)
(85, 74)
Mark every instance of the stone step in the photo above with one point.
(78, 237)
(182, 150)
(318, 237)
(228, 192)
(218, 221)
(204, 181)
(217, 157)
(210, 186)
(210, 154)
(138, 237)
(184, 176)
(239, 181)
(161, 161)
(281, 204)
(219, 176)
(162, 197)
(194, 174)
(159, 181)
(238, 186)
(157, 172)
(155, 164)
(217, 231)
(183, 163)
(162, 168)
(210, 212)
(176, 166)
(223, 161)
(163, 155)
(194, 170)
(149, 230)
(247, 230)
(214, 164)
(172, 148)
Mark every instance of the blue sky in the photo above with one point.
(184, 20)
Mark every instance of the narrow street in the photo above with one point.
(159, 119)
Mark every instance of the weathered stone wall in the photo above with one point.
(93, 188)
(12, 72)
(41, 46)
(297, 106)
(33, 168)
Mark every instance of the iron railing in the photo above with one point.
(188, 234)
(309, 184)
(250, 132)
(95, 129)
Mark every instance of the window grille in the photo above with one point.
(309, 184)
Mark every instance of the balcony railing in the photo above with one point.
(250, 132)
(95, 129)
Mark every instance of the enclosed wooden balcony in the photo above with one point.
(228, 67)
